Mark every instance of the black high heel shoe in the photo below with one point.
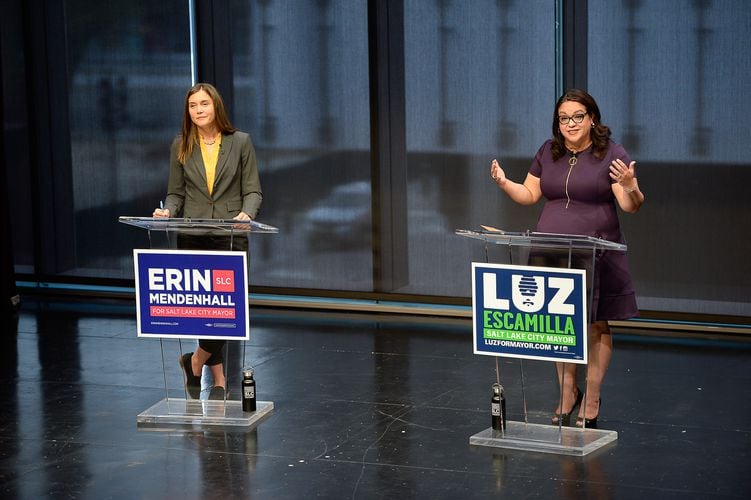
(565, 418)
(589, 423)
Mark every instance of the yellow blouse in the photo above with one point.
(209, 161)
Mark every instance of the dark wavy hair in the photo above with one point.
(189, 134)
(600, 133)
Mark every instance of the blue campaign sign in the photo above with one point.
(192, 294)
(529, 312)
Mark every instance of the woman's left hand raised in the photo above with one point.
(622, 174)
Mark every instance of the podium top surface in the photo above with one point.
(212, 226)
(545, 240)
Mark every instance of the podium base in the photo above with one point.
(545, 439)
(202, 413)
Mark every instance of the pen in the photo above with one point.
(161, 204)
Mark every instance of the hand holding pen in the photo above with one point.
(161, 212)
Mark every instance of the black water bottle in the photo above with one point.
(498, 408)
(249, 390)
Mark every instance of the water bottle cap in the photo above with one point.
(247, 372)
(497, 389)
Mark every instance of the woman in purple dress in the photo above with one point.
(582, 174)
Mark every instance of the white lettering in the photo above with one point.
(173, 279)
(201, 281)
(528, 294)
(156, 279)
(490, 298)
(181, 280)
(565, 287)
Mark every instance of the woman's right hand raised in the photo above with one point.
(497, 173)
(161, 213)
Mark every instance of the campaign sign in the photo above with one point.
(191, 294)
(529, 312)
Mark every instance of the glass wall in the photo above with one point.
(480, 84)
(671, 81)
(301, 91)
(93, 91)
(129, 65)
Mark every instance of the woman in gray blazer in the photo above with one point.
(213, 175)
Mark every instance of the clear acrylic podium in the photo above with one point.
(556, 251)
(176, 409)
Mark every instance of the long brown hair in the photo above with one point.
(189, 133)
(600, 133)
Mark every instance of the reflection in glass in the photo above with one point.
(669, 78)
(483, 109)
(301, 91)
(129, 67)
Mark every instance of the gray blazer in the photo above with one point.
(237, 187)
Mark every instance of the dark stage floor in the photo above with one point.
(365, 406)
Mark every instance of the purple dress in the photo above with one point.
(582, 202)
